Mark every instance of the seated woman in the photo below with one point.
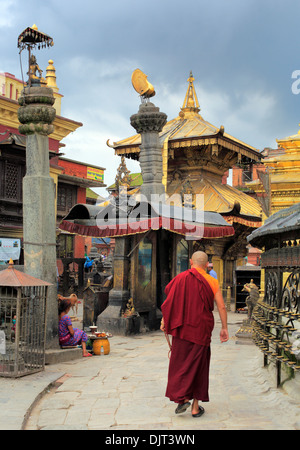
(69, 336)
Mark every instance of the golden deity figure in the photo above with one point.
(130, 309)
(33, 69)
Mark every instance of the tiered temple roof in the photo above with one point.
(199, 153)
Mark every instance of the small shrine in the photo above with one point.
(196, 158)
(154, 239)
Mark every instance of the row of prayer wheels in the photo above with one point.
(274, 346)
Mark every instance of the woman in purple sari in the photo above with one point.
(69, 336)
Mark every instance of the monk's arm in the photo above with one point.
(223, 316)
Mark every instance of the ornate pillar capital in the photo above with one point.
(148, 119)
(36, 112)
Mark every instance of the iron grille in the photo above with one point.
(22, 330)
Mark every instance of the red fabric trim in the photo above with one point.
(247, 223)
(142, 226)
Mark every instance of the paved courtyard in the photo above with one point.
(125, 390)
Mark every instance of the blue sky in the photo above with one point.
(243, 55)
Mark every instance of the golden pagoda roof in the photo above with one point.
(218, 197)
(189, 129)
(221, 198)
(290, 142)
(286, 164)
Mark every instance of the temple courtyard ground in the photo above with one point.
(125, 390)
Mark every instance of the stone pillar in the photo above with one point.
(149, 122)
(36, 115)
(110, 319)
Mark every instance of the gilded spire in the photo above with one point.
(123, 178)
(190, 104)
(51, 76)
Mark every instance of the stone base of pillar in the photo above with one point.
(110, 319)
(152, 319)
(111, 322)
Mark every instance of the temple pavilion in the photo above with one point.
(182, 158)
(282, 179)
(196, 158)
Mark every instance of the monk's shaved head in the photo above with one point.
(199, 259)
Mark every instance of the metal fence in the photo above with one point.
(277, 323)
(22, 330)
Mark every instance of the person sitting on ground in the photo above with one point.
(69, 336)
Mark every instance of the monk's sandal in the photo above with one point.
(199, 414)
(182, 407)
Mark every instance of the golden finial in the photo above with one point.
(190, 103)
(123, 178)
(51, 76)
(141, 84)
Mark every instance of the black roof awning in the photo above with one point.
(285, 221)
(113, 221)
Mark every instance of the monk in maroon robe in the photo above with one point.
(188, 318)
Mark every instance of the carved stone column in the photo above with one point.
(110, 319)
(36, 115)
(149, 121)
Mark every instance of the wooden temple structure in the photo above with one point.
(196, 158)
(281, 175)
(154, 241)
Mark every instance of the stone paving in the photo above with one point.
(125, 390)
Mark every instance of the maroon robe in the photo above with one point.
(188, 317)
(188, 308)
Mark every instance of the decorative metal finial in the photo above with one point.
(142, 85)
(123, 178)
(31, 38)
(190, 104)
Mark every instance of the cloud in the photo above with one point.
(247, 114)
(242, 55)
(90, 147)
(7, 8)
(242, 114)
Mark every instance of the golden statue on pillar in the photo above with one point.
(33, 69)
(123, 178)
(142, 85)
